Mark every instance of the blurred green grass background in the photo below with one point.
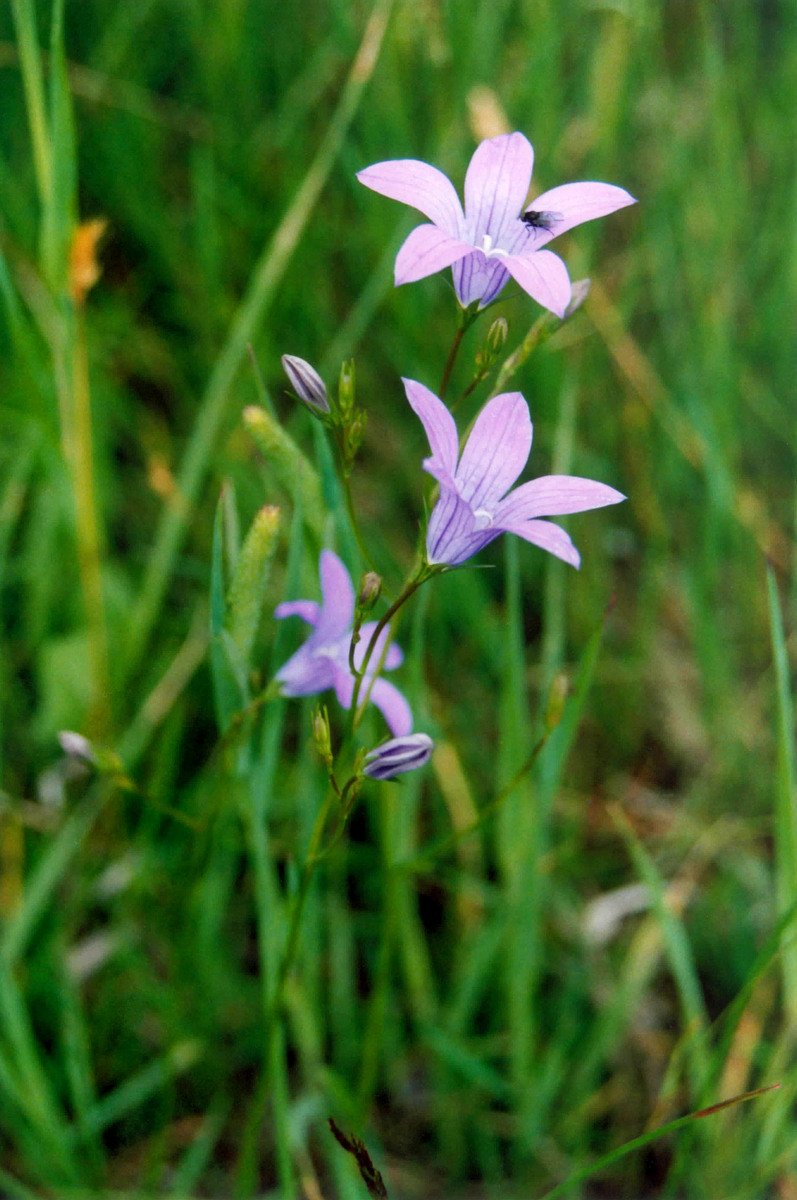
(615, 946)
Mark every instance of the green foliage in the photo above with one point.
(580, 924)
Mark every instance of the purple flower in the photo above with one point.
(474, 507)
(323, 661)
(490, 240)
(398, 755)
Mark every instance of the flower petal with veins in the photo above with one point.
(322, 662)
(475, 506)
(488, 243)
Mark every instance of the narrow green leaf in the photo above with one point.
(785, 801)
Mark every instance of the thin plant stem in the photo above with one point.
(423, 573)
(88, 537)
(422, 860)
(345, 482)
(33, 83)
(638, 1143)
(467, 317)
(312, 858)
(452, 358)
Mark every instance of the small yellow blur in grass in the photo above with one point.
(84, 267)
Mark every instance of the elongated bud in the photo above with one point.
(370, 591)
(322, 738)
(398, 755)
(307, 383)
(346, 389)
(491, 349)
(578, 294)
(497, 335)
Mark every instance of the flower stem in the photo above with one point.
(424, 572)
(467, 317)
(88, 536)
(312, 858)
(519, 356)
(452, 357)
(355, 524)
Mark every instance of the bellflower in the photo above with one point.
(491, 240)
(323, 661)
(398, 755)
(475, 506)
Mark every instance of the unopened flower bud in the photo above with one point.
(578, 294)
(497, 335)
(398, 755)
(370, 590)
(307, 383)
(354, 435)
(346, 389)
(322, 737)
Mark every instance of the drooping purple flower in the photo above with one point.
(475, 505)
(490, 241)
(398, 755)
(323, 661)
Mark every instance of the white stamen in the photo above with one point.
(489, 250)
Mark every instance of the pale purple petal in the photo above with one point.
(343, 683)
(440, 429)
(454, 535)
(387, 698)
(305, 672)
(427, 249)
(521, 240)
(393, 706)
(496, 184)
(337, 609)
(308, 610)
(548, 537)
(544, 276)
(571, 204)
(477, 277)
(394, 657)
(496, 451)
(555, 495)
(419, 185)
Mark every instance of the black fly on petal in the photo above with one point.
(540, 220)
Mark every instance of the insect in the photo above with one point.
(540, 220)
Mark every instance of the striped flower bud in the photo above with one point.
(306, 382)
(398, 755)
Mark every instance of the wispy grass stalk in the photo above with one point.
(269, 270)
(785, 795)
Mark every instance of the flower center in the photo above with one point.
(482, 519)
(489, 250)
